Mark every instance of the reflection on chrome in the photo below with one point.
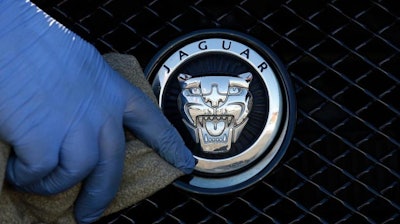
(215, 109)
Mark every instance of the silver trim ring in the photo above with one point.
(239, 169)
(217, 45)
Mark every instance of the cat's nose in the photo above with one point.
(214, 98)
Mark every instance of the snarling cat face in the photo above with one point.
(215, 108)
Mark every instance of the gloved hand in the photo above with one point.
(62, 108)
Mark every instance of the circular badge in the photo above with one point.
(231, 100)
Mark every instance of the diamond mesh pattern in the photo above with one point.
(343, 165)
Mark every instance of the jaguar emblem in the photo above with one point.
(215, 109)
(231, 100)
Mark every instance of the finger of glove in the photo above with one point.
(34, 156)
(150, 125)
(78, 156)
(102, 184)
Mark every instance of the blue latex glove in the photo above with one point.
(63, 109)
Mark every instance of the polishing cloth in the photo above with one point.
(145, 172)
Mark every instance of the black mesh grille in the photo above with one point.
(343, 165)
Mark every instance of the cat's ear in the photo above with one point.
(246, 76)
(182, 78)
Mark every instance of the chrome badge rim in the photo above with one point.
(231, 99)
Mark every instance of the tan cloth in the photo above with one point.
(144, 172)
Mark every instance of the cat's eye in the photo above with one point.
(234, 90)
(195, 91)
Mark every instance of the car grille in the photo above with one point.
(344, 60)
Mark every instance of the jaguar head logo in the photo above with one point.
(215, 108)
(232, 101)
